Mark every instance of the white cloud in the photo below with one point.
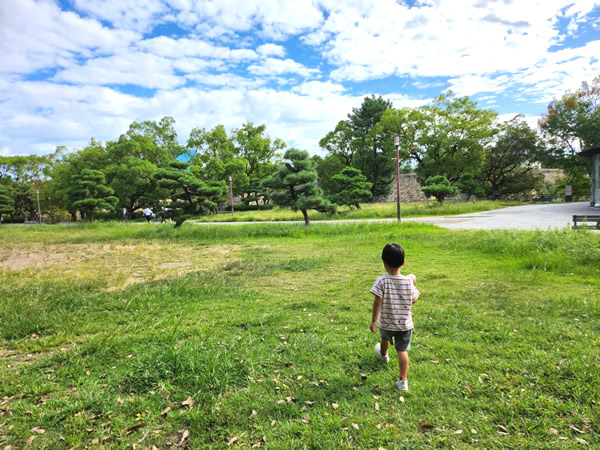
(178, 48)
(138, 15)
(37, 35)
(273, 67)
(141, 69)
(271, 50)
(389, 38)
(275, 19)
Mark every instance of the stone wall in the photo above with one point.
(410, 190)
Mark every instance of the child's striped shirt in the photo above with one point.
(398, 293)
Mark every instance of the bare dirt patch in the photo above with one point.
(115, 266)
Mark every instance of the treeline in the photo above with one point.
(452, 145)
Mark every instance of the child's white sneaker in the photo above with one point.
(385, 358)
(402, 385)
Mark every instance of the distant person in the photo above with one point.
(125, 214)
(165, 214)
(394, 296)
(148, 214)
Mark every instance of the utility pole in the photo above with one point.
(397, 145)
(231, 194)
(37, 193)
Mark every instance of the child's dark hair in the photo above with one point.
(393, 255)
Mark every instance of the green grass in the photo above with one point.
(366, 211)
(265, 327)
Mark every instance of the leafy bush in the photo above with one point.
(439, 187)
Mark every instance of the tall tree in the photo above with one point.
(295, 185)
(572, 124)
(215, 158)
(6, 199)
(341, 142)
(327, 168)
(373, 154)
(24, 200)
(509, 166)
(454, 137)
(163, 134)
(259, 154)
(350, 188)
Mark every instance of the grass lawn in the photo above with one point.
(117, 334)
(366, 211)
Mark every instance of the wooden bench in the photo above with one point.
(587, 218)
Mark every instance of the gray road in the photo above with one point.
(527, 217)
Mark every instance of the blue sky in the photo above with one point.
(73, 69)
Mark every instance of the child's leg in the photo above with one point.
(384, 344)
(403, 364)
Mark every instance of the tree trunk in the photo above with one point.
(306, 219)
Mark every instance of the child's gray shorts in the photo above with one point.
(400, 339)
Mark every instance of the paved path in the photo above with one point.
(527, 217)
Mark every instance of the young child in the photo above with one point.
(394, 295)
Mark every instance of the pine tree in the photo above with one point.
(295, 185)
(439, 187)
(6, 199)
(89, 193)
(190, 195)
(350, 186)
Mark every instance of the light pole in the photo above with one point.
(231, 194)
(37, 193)
(397, 145)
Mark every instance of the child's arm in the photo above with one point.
(376, 309)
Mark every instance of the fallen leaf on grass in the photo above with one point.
(434, 361)
(355, 426)
(253, 413)
(232, 440)
(38, 430)
(305, 420)
(578, 430)
(30, 440)
(376, 406)
(553, 431)
(289, 399)
(335, 406)
(165, 411)
(273, 423)
(280, 402)
(426, 426)
(473, 430)
(582, 441)
(402, 399)
(309, 403)
(119, 400)
(458, 432)
(135, 428)
(299, 377)
(184, 436)
(188, 402)
(379, 426)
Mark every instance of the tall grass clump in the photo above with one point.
(562, 250)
